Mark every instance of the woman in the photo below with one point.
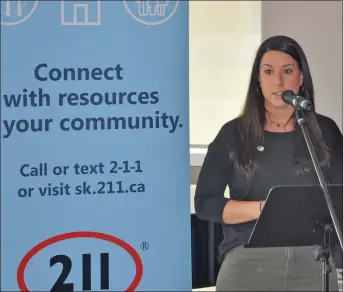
(262, 148)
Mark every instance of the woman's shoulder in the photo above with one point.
(232, 126)
(327, 125)
(331, 134)
(325, 121)
(220, 147)
(228, 131)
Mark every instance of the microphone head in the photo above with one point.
(288, 96)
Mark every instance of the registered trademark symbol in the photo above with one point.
(144, 245)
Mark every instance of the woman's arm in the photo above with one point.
(241, 211)
(210, 203)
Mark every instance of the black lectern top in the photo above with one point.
(291, 215)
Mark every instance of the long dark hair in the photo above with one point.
(253, 116)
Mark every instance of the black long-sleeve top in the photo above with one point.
(274, 162)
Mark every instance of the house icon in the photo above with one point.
(152, 8)
(80, 12)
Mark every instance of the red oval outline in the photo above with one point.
(81, 234)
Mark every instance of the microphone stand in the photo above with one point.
(323, 251)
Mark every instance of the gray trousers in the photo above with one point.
(273, 269)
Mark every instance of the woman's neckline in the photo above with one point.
(280, 133)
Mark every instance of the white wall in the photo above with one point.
(317, 26)
(224, 36)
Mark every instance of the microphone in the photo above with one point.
(298, 102)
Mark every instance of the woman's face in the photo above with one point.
(278, 72)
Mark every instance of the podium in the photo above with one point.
(299, 216)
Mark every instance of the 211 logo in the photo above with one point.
(85, 261)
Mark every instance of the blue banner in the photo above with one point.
(95, 184)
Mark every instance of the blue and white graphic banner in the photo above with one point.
(95, 184)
